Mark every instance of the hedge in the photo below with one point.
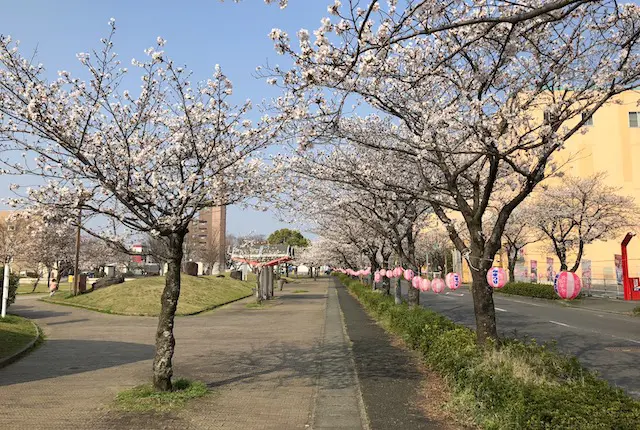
(541, 291)
(513, 385)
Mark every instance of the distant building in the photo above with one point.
(207, 239)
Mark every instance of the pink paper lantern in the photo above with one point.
(377, 278)
(397, 272)
(408, 274)
(453, 281)
(496, 277)
(567, 285)
(425, 284)
(437, 285)
(389, 274)
(415, 282)
(382, 272)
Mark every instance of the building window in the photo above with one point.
(634, 119)
(548, 118)
(588, 119)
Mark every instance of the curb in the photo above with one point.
(24, 351)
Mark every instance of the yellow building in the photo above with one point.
(611, 145)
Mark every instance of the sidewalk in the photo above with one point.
(615, 306)
(308, 360)
(287, 366)
(597, 304)
(389, 377)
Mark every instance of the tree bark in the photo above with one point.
(483, 307)
(414, 293)
(562, 256)
(398, 291)
(578, 257)
(512, 266)
(165, 341)
(386, 286)
(35, 284)
(374, 270)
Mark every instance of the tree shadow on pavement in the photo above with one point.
(67, 357)
(35, 314)
(282, 363)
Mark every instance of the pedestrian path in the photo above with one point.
(288, 365)
(338, 400)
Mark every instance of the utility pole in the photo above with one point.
(76, 267)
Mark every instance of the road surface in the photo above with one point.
(605, 342)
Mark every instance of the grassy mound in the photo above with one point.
(15, 334)
(514, 385)
(145, 398)
(142, 296)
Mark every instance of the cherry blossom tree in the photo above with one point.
(580, 211)
(476, 97)
(518, 233)
(434, 244)
(349, 182)
(148, 160)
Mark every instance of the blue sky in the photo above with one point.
(199, 34)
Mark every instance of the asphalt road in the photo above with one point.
(605, 342)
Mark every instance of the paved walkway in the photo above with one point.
(389, 377)
(284, 367)
(288, 366)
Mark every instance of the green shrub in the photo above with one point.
(541, 291)
(14, 281)
(510, 385)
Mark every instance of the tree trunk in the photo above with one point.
(165, 341)
(398, 292)
(512, 266)
(414, 293)
(578, 257)
(483, 305)
(35, 284)
(386, 286)
(562, 256)
(372, 276)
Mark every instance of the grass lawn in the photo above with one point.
(144, 398)
(42, 288)
(15, 334)
(142, 296)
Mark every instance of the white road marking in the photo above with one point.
(624, 338)
(501, 310)
(520, 301)
(562, 324)
(455, 294)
